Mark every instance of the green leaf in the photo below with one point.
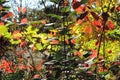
(104, 73)
(7, 35)
(58, 56)
(39, 46)
(55, 16)
(3, 30)
(15, 41)
(66, 9)
(6, 8)
(2, 1)
(54, 1)
(84, 1)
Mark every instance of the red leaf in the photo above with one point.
(24, 21)
(5, 16)
(94, 54)
(100, 58)
(75, 4)
(1, 23)
(118, 8)
(110, 25)
(23, 43)
(24, 10)
(19, 9)
(85, 65)
(97, 23)
(10, 14)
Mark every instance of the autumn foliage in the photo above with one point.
(79, 40)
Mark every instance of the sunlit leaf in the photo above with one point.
(39, 46)
(3, 29)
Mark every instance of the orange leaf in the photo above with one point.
(80, 9)
(73, 41)
(77, 6)
(88, 30)
(24, 21)
(79, 21)
(67, 41)
(15, 20)
(55, 42)
(94, 54)
(77, 54)
(66, 2)
(16, 31)
(16, 35)
(0, 7)
(24, 10)
(55, 34)
(97, 24)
